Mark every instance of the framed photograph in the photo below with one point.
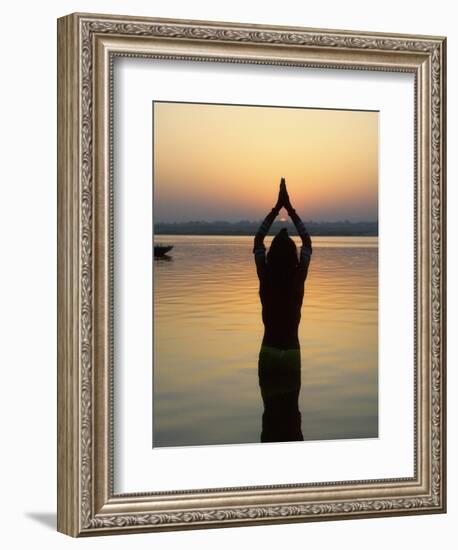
(251, 289)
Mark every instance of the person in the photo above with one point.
(282, 274)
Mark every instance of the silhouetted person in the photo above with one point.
(282, 276)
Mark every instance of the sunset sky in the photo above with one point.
(224, 162)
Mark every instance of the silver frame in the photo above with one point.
(87, 45)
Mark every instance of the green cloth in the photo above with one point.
(279, 371)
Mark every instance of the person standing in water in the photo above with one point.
(282, 274)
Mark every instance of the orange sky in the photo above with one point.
(224, 162)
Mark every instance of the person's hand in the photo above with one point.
(284, 196)
(279, 204)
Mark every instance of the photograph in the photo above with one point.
(265, 277)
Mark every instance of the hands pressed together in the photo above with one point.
(283, 201)
(283, 198)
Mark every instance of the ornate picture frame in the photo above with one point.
(87, 46)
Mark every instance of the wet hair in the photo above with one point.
(282, 258)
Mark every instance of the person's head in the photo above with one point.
(282, 255)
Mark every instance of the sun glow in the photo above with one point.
(224, 162)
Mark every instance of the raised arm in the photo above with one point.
(306, 248)
(264, 228)
(259, 249)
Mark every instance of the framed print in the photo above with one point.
(251, 284)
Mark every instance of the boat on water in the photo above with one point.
(161, 250)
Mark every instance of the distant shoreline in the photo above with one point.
(247, 228)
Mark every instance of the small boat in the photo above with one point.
(161, 250)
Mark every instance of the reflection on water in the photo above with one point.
(280, 383)
(208, 331)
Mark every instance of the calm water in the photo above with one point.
(208, 331)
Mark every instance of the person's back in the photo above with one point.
(281, 300)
